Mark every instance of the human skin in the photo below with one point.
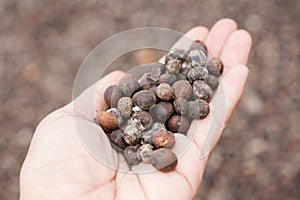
(57, 165)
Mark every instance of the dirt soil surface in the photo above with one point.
(44, 42)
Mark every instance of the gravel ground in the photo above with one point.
(44, 42)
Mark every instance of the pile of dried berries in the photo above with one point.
(144, 114)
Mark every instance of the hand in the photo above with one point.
(58, 167)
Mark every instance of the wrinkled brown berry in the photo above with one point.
(173, 66)
(167, 78)
(164, 160)
(144, 152)
(164, 92)
(131, 155)
(128, 84)
(215, 66)
(163, 138)
(125, 106)
(197, 73)
(118, 143)
(132, 135)
(212, 82)
(181, 106)
(107, 121)
(144, 99)
(154, 70)
(182, 89)
(144, 117)
(177, 54)
(112, 95)
(178, 124)
(198, 109)
(202, 91)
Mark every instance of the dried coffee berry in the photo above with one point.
(197, 57)
(197, 73)
(107, 121)
(154, 70)
(144, 117)
(158, 125)
(202, 91)
(144, 99)
(180, 76)
(164, 92)
(185, 68)
(182, 89)
(163, 138)
(128, 84)
(181, 106)
(118, 143)
(167, 78)
(215, 66)
(212, 82)
(147, 136)
(198, 109)
(200, 45)
(173, 66)
(178, 124)
(168, 106)
(144, 152)
(159, 112)
(153, 90)
(112, 95)
(125, 106)
(146, 83)
(131, 155)
(117, 116)
(132, 135)
(164, 160)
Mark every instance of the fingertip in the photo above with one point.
(116, 73)
(228, 21)
(198, 32)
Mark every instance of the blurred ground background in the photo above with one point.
(44, 42)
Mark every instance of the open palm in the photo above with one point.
(59, 167)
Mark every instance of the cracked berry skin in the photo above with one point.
(125, 106)
(144, 117)
(197, 57)
(182, 89)
(132, 135)
(131, 155)
(118, 143)
(197, 73)
(178, 124)
(128, 84)
(144, 99)
(112, 94)
(174, 66)
(144, 152)
(202, 91)
(165, 92)
(215, 66)
(198, 109)
(164, 160)
(163, 138)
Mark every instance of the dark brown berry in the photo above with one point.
(158, 125)
(182, 89)
(107, 121)
(177, 54)
(144, 99)
(163, 138)
(159, 112)
(118, 143)
(132, 135)
(198, 109)
(173, 66)
(178, 124)
(200, 45)
(128, 84)
(212, 81)
(202, 91)
(197, 73)
(168, 106)
(154, 70)
(144, 117)
(165, 92)
(125, 106)
(167, 78)
(112, 94)
(144, 152)
(131, 155)
(215, 66)
(146, 83)
(164, 160)
(181, 106)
